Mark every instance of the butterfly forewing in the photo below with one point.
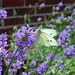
(50, 32)
(41, 41)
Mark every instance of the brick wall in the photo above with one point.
(22, 7)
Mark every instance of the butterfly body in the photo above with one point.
(45, 37)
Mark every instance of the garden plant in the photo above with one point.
(28, 57)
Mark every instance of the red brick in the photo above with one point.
(14, 21)
(9, 12)
(68, 1)
(62, 8)
(33, 2)
(37, 25)
(44, 10)
(22, 11)
(0, 24)
(13, 3)
(8, 30)
(53, 1)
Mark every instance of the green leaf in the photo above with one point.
(25, 16)
(62, 15)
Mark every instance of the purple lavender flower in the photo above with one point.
(3, 15)
(3, 51)
(42, 68)
(61, 66)
(24, 73)
(59, 18)
(69, 52)
(8, 61)
(25, 36)
(57, 63)
(17, 65)
(51, 55)
(57, 8)
(42, 5)
(29, 73)
(73, 26)
(51, 25)
(73, 13)
(41, 49)
(0, 43)
(65, 18)
(56, 58)
(73, 9)
(60, 4)
(38, 70)
(39, 19)
(10, 70)
(64, 38)
(33, 63)
(25, 55)
(42, 57)
(68, 26)
(0, 65)
(59, 41)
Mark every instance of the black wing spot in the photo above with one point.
(50, 40)
(50, 33)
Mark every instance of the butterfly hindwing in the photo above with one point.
(43, 40)
(52, 41)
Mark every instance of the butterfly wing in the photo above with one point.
(52, 41)
(43, 40)
(50, 32)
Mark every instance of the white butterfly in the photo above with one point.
(45, 37)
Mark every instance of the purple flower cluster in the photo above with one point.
(33, 63)
(24, 73)
(39, 19)
(42, 57)
(64, 38)
(51, 25)
(25, 36)
(57, 8)
(60, 4)
(15, 66)
(0, 64)
(51, 56)
(42, 68)
(3, 51)
(69, 52)
(60, 66)
(69, 27)
(42, 5)
(3, 15)
(19, 56)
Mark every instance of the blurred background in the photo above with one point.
(22, 12)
